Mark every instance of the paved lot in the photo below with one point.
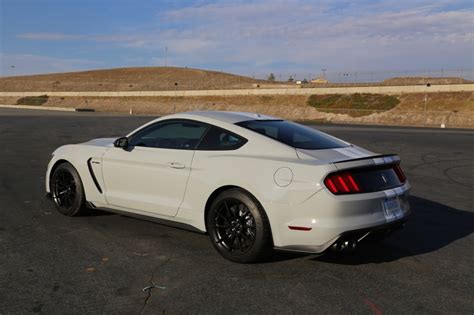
(54, 264)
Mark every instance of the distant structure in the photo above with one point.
(320, 81)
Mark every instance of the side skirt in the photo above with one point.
(179, 225)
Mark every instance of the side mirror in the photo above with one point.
(121, 142)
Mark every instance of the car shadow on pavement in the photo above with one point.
(430, 227)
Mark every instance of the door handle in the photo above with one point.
(177, 165)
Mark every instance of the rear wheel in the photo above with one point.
(67, 191)
(239, 228)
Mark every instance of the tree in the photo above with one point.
(305, 81)
(290, 79)
(271, 77)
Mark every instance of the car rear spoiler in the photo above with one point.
(373, 160)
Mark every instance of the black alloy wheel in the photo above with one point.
(235, 226)
(238, 227)
(66, 190)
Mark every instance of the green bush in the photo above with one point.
(355, 105)
(32, 100)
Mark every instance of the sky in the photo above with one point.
(243, 37)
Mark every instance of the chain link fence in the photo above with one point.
(218, 81)
(371, 78)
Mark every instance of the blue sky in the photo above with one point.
(246, 37)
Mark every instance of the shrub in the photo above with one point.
(355, 105)
(32, 100)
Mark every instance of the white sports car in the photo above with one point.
(252, 182)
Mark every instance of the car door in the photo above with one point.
(151, 174)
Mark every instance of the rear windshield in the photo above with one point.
(292, 134)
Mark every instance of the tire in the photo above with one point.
(239, 228)
(67, 191)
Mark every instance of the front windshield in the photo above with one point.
(293, 134)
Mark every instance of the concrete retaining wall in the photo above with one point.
(258, 91)
(62, 109)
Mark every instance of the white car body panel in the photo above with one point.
(177, 184)
(146, 179)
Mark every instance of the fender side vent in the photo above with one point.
(89, 165)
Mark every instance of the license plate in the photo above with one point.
(392, 209)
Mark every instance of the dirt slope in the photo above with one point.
(425, 80)
(128, 79)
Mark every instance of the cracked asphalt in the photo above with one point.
(101, 263)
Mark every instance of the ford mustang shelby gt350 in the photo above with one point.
(254, 183)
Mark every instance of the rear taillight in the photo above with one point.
(401, 176)
(342, 183)
(364, 180)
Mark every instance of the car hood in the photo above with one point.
(101, 142)
(335, 155)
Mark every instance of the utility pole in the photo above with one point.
(175, 96)
(426, 99)
(166, 56)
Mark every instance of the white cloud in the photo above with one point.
(51, 36)
(296, 35)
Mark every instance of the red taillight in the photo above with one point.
(341, 183)
(353, 183)
(401, 176)
(365, 180)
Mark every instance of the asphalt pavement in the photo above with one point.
(101, 263)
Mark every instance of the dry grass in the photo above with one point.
(425, 80)
(164, 79)
(448, 101)
(154, 105)
(128, 79)
(453, 109)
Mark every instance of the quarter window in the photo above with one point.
(218, 139)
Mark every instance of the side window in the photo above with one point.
(183, 135)
(218, 139)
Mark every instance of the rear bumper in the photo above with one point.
(327, 218)
(354, 235)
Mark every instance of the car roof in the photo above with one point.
(229, 117)
(218, 118)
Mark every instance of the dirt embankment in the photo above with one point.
(175, 78)
(129, 79)
(434, 109)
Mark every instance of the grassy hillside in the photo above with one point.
(164, 79)
(128, 79)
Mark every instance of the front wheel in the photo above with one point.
(239, 228)
(67, 191)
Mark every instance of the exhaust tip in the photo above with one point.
(344, 245)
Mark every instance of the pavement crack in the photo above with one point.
(151, 286)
